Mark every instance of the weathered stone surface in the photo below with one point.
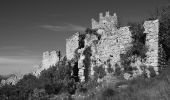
(107, 23)
(152, 31)
(114, 41)
(112, 46)
(89, 39)
(49, 59)
(71, 45)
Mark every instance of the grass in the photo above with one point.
(156, 88)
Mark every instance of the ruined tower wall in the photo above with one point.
(46, 59)
(49, 59)
(54, 58)
(71, 45)
(152, 31)
(89, 39)
(124, 39)
(106, 22)
(113, 46)
(107, 47)
(114, 41)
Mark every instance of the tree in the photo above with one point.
(100, 71)
(26, 86)
(59, 55)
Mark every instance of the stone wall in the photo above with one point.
(71, 45)
(49, 59)
(89, 39)
(106, 22)
(124, 38)
(152, 42)
(114, 45)
(114, 41)
(107, 47)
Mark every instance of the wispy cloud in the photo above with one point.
(66, 27)
(17, 51)
(11, 47)
(16, 60)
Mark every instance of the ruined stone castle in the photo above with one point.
(106, 47)
(113, 42)
(49, 59)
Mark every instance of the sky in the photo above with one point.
(30, 27)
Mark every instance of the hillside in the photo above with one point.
(106, 62)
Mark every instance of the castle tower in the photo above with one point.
(107, 22)
(46, 59)
(152, 42)
(50, 59)
(71, 45)
(53, 58)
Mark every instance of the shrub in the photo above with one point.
(118, 71)
(86, 61)
(53, 88)
(108, 92)
(152, 72)
(110, 69)
(38, 94)
(82, 90)
(100, 71)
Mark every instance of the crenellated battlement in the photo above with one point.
(107, 22)
(112, 44)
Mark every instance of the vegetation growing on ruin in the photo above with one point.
(138, 44)
(99, 71)
(87, 62)
(92, 31)
(59, 80)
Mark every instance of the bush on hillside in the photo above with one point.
(99, 71)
